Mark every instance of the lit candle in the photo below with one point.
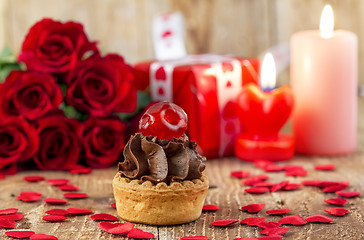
(324, 83)
(262, 115)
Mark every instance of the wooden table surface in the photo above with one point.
(227, 192)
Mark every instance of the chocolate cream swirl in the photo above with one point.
(149, 159)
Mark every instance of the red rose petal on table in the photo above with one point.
(278, 186)
(41, 236)
(81, 171)
(113, 205)
(272, 237)
(268, 225)
(7, 223)
(253, 221)
(19, 234)
(194, 238)
(264, 184)
(311, 182)
(280, 211)
(334, 188)
(274, 231)
(75, 195)
(336, 201)
(325, 167)
(14, 217)
(273, 168)
(257, 190)
(253, 208)
(79, 211)
(210, 208)
(138, 233)
(336, 211)
(262, 163)
(250, 181)
(319, 218)
(347, 194)
(57, 211)
(68, 187)
(31, 193)
(58, 182)
(55, 201)
(54, 218)
(296, 172)
(293, 220)
(116, 228)
(292, 186)
(324, 184)
(240, 174)
(246, 238)
(8, 211)
(103, 217)
(224, 222)
(29, 198)
(34, 178)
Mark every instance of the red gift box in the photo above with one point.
(205, 86)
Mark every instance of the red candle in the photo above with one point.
(262, 115)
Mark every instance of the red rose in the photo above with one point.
(55, 47)
(100, 86)
(103, 141)
(59, 143)
(18, 141)
(29, 94)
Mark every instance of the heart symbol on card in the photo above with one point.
(263, 114)
(167, 33)
(160, 74)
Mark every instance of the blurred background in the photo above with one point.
(239, 27)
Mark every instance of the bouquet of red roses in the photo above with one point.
(59, 111)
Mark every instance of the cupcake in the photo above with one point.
(160, 181)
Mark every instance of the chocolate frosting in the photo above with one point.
(149, 159)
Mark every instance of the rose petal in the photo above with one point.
(194, 238)
(336, 211)
(55, 201)
(103, 217)
(262, 163)
(57, 211)
(280, 211)
(334, 188)
(14, 217)
(8, 211)
(34, 178)
(25, 193)
(41, 236)
(81, 171)
(347, 194)
(253, 208)
(210, 208)
(296, 172)
(57, 182)
(75, 195)
(240, 174)
(279, 186)
(292, 186)
(79, 211)
(293, 220)
(325, 167)
(324, 184)
(113, 205)
(7, 223)
(116, 228)
(19, 234)
(54, 218)
(273, 168)
(311, 182)
(250, 181)
(68, 187)
(264, 184)
(319, 218)
(257, 190)
(274, 231)
(138, 233)
(246, 238)
(337, 201)
(253, 221)
(273, 237)
(224, 222)
(268, 225)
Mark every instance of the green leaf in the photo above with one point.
(143, 101)
(6, 69)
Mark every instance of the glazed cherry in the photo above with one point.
(164, 120)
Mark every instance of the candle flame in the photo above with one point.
(327, 22)
(268, 72)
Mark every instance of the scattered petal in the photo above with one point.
(250, 181)
(31, 193)
(68, 187)
(311, 182)
(116, 228)
(138, 233)
(253, 208)
(262, 163)
(7, 223)
(272, 237)
(194, 238)
(337, 201)
(29, 196)
(319, 218)
(41, 236)
(268, 225)
(79, 211)
(33, 178)
(103, 217)
(274, 231)
(273, 168)
(14, 217)
(240, 174)
(280, 211)
(279, 186)
(253, 221)
(54, 218)
(257, 190)
(296, 172)
(293, 220)
(57, 211)
(57, 182)
(8, 211)
(292, 186)
(264, 184)
(224, 222)
(19, 234)
(326, 167)
(348, 194)
(210, 208)
(246, 238)
(113, 205)
(75, 195)
(324, 184)
(55, 201)
(334, 188)
(336, 211)
(81, 171)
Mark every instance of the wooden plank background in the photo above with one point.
(241, 27)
